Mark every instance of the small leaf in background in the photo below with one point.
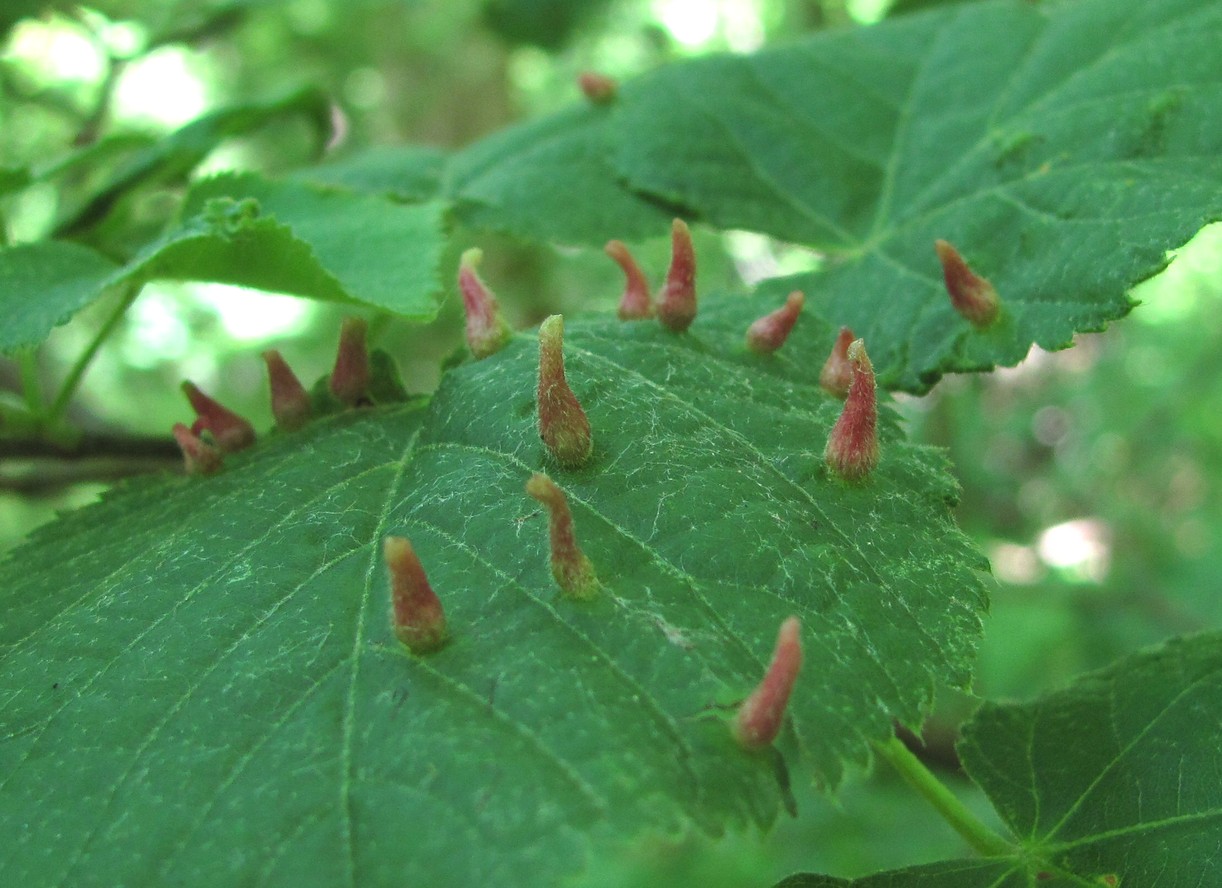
(296, 238)
(42, 285)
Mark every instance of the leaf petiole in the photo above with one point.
(68, 389)
(934, 791)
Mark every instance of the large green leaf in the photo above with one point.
(200, 685)
(42, 285)
(1113, 778)
(1063, 147)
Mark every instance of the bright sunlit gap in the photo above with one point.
(164, 88)
(736, 24)
(1082, 548)
(55, 49)
(758, 257)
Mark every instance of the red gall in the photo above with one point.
(230, 431)
(487, 331)
(598, 88)
(852, 447)
(770, 332)
(636, 303)
(563, 425)
(572, 570)
(416, 615)
(349, 380)
(970, 294)
(761, 715)
(677, 301)
(290, 401)
(199, 457)
(837, 373)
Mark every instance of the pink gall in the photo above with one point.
(761, 715)
(199, 457)
(677, 301)
(852, 448)
(769, 333)
(416, 615)
(230, 431)
(599, 89)
(837, 373)
(636, 303)
(487, 331)
(572, 570)
(349, 380)
(563, 425)
(970, 294)
(290, 401)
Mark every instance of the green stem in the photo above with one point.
(29, 381)
(953, 811)
(73, 379)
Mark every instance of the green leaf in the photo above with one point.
(170, 159)
(405, 172)
(210, 666)
(1115, 774)
(551, 179)
(42, 285)
(295, 238)
(1112, 777)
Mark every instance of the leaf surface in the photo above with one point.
(200, 685)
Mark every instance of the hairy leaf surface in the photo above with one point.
(200, 684)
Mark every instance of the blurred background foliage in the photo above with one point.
(1089, 476)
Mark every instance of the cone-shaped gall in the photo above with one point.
(416, 615)
(199, 457)
(837, 373)
(852, 447)
(636, 304)
(572, 569)
(290, 400)
(599, 89)
(349, 380)
(770, 332)
(970, 294)
(487, 331)
(563, 425)
(760, 717)
(230, 431)
(677, 301)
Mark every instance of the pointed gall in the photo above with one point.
(230, 431)
(837, 373)
(572, 569)
(199, 457)
(290, 400)
(415, 611)
(770, 332)
(487, 331)
(852, 447)
(761, 715)
(598, 88)
(677, 301)
(350, 377)
(970, 294)
(562, 423)
(636, 303)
